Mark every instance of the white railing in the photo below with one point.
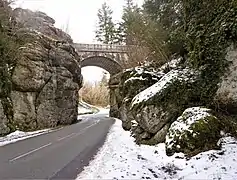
(101, 48)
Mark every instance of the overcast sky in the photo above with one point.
(80, 15)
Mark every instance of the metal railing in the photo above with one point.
(101, 48)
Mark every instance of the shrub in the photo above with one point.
(95, 94)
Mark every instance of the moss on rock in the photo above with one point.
(194, 131)
(127, 85)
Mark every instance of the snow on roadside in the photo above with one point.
(104, 111)
(20, 135)
(85, 108)
(121, 158)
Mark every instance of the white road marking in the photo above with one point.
(60, 139)
(30, 152)
(83, 130)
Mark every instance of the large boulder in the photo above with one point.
(125, 85)
(161, 103)
(130, 83)
(143, 137)
(194, 131)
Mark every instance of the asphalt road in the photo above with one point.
(61, 154)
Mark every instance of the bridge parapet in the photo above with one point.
(101, 48)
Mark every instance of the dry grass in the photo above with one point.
(96, 94)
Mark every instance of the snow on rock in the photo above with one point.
(195, 128)
(130, 83)
(154, 89)
(189, 117)
(134, 79)
(162, 84)
(20, 135)
(121, 158)
(171, 64)
(139, 70)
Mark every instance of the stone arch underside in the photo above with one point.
(103, 62)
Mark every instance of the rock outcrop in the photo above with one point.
(46, 77)
(153, 107)
(194, 131)
(226, 95)
(40, 22)
(124, 86)
(4, 129)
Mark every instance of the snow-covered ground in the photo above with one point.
(85, 108)
(19, 135)
(121, 158)
(104, 111)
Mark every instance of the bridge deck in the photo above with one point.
(101, 48)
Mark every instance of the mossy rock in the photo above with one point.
(196, 130)
(136, 80)
(164, 101)
(124, 86)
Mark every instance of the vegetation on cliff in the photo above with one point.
(9, 44)
(200, 32)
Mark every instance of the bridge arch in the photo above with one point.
(103, 62)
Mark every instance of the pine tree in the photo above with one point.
(105, 32)
(124, 30)
(169, 14)
(141, 31)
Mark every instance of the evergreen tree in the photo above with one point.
(105, 32)
(124, 30)
(169, 14)
(140, 30)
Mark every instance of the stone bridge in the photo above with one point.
(109, 57)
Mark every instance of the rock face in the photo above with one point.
(3, 122)
(194, 131)
(158, 106)
(40, 22)
(226, 95)
(124, 86)
(148, 102)
(46, 77)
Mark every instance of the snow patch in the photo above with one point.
(191, 116)
(134, 78)
(139, 70)
(171, 64)
(121, 158)
(20, 135)
(184, 122)
(156, 88)
(85, 108)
